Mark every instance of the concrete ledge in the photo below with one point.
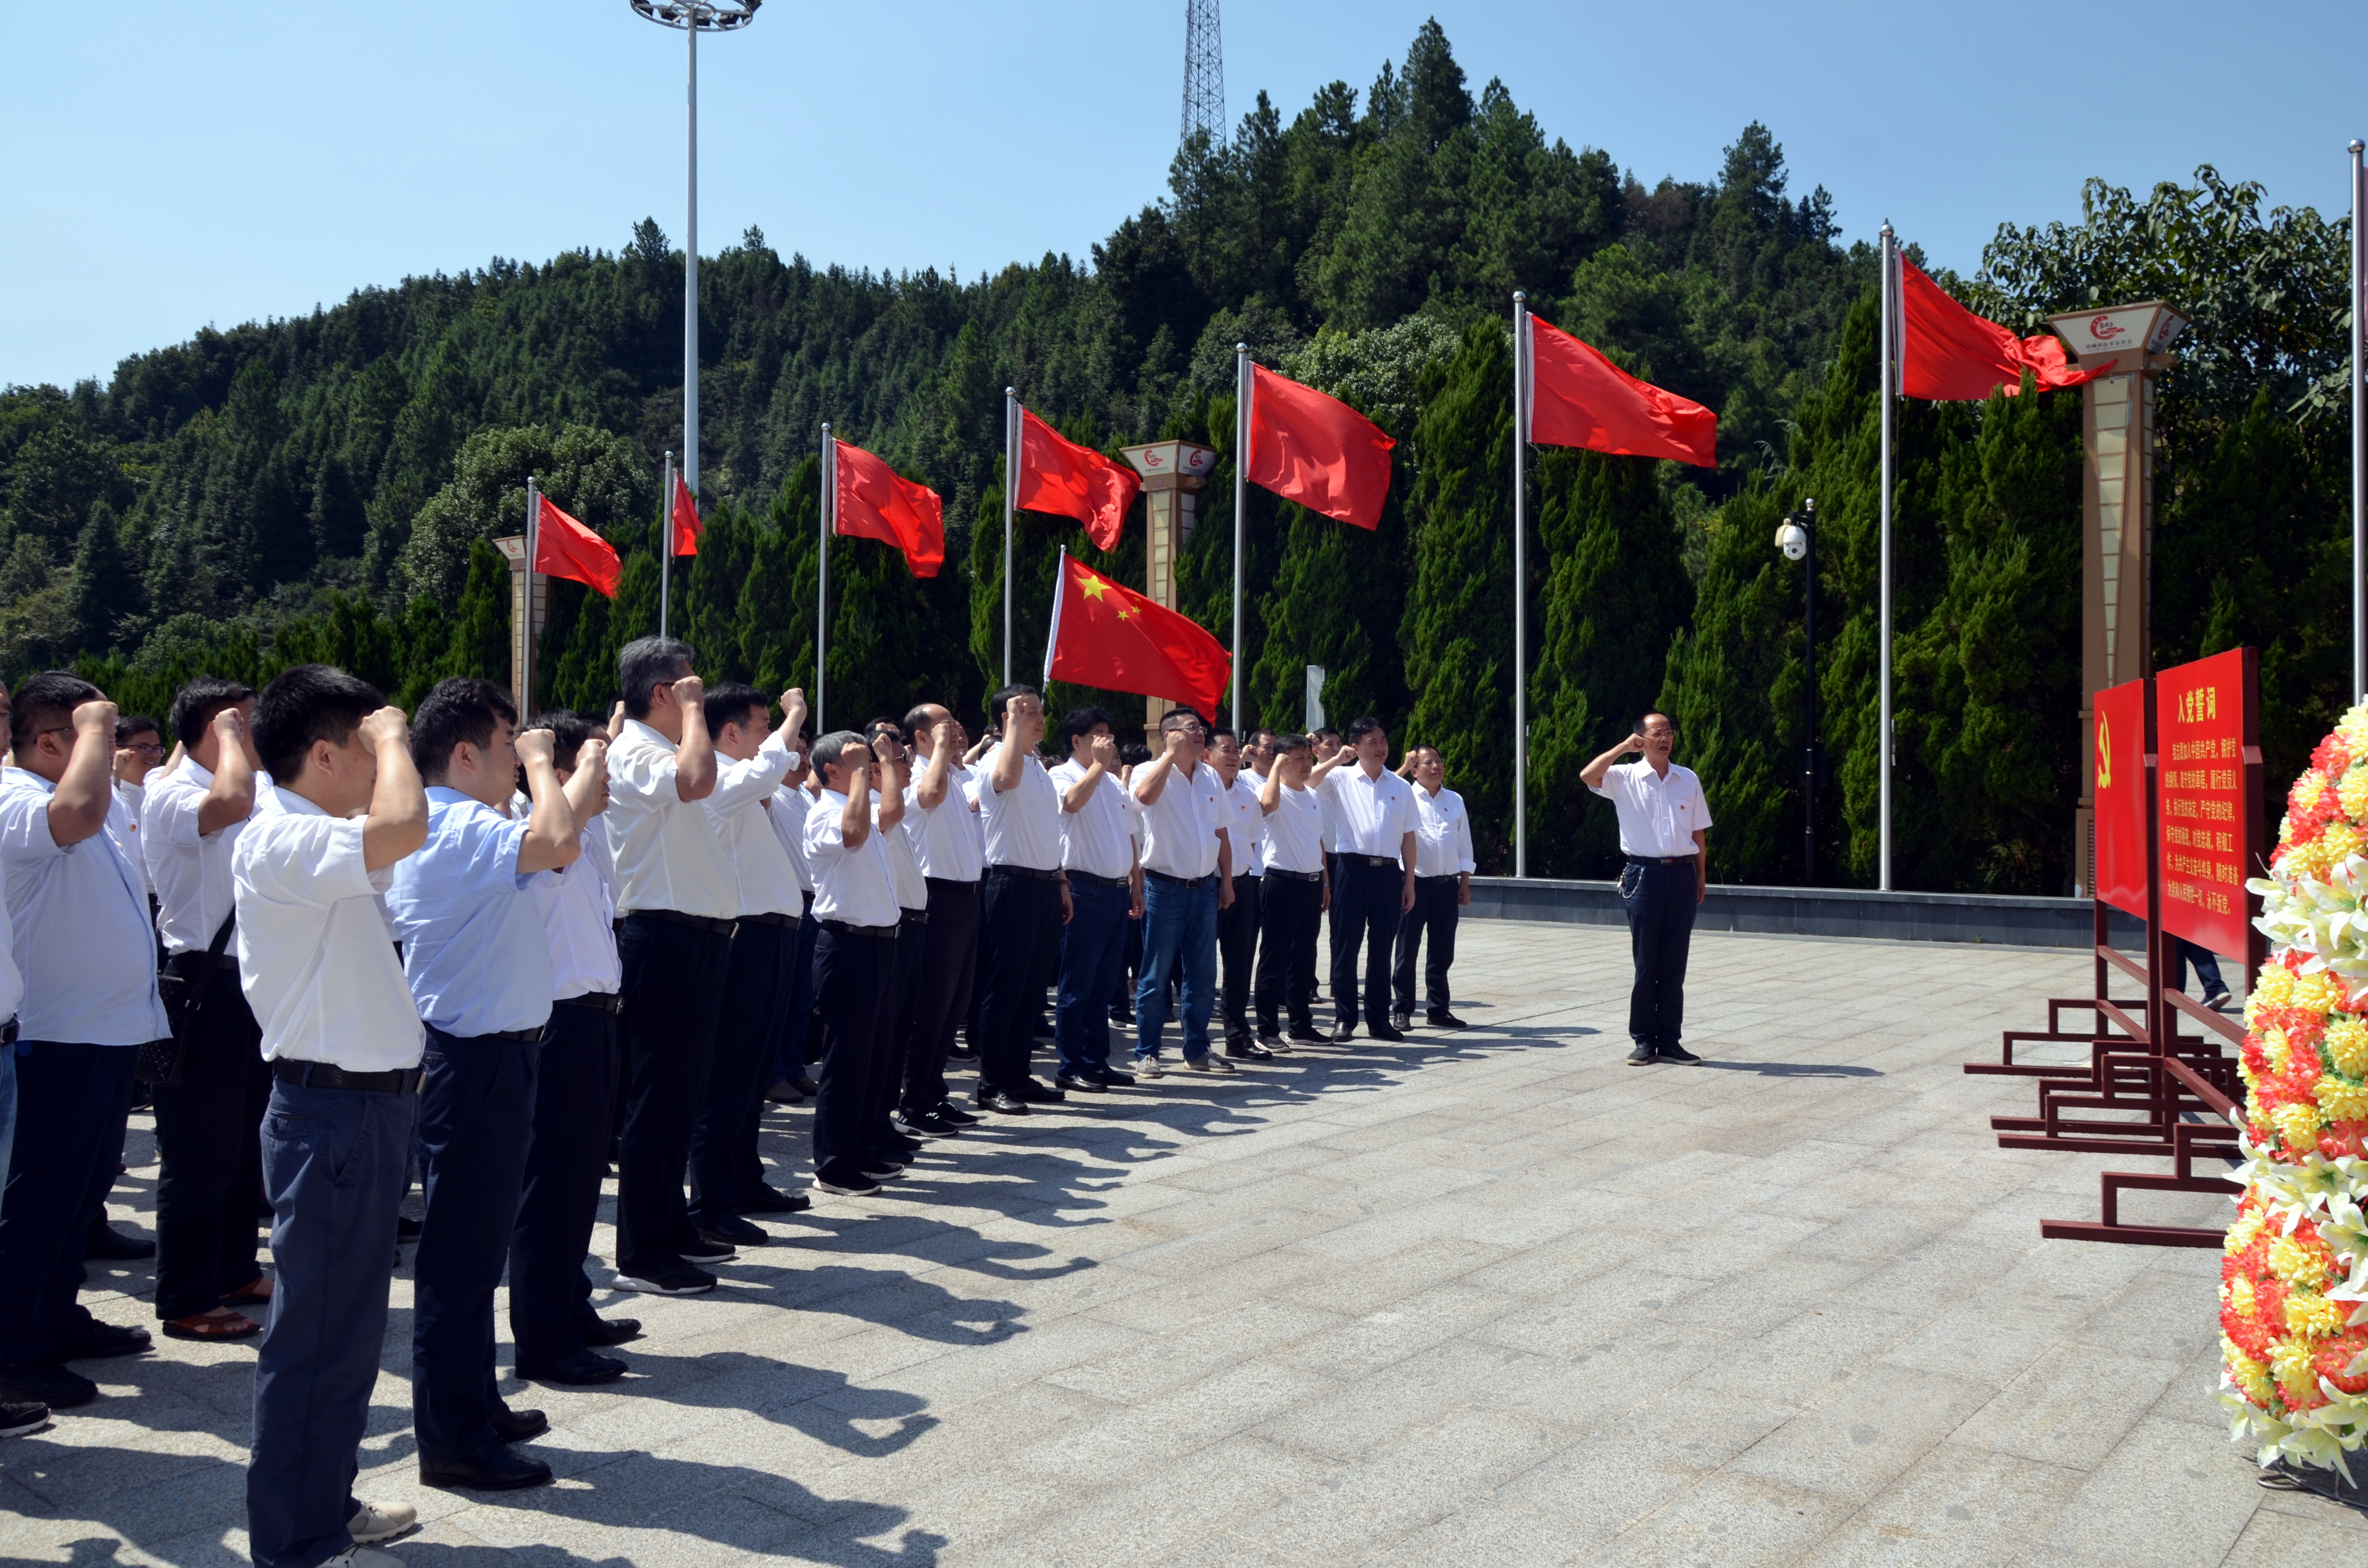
(1820, 912)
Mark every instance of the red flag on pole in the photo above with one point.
(1114, 638)
(1060, 476)
(687, 526)
(875, 502)
(1578, 398)
(1317, 451)
(566, 548)
(1948, 353)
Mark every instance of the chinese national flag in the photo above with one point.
(1114, 638)
(875, 502)
(1948, 353)
(1578, 398)
(1317, 451)
(566, 548)
(687, 526)
(1058, 475)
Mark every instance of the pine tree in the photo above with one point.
(104, 594)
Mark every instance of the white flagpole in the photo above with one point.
(1520, 586)
(1245, 388)
(2359, 431)
(1889, 296)
(665, 541)
(1060, 592)
(526, 608)
(691, 280)
(822, 576)
(1011, 490)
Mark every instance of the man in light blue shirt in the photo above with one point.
(478, 965)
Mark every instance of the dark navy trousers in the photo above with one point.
(71, 1105)
(1022, 923)
(852, 976)
(673, 988)
(726, 1169)
(1660, 902)
(892, 1034)
(1365, 914)
(566, 1155)
(1093, 959)
(940, 997)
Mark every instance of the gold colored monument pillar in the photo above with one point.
(1173, 475)
(2117, 517)
(522, 584)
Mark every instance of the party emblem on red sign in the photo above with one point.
(2102, 327)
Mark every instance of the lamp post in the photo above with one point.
(1797, 540)
(693, 17)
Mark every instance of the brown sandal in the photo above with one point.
(218, 1324)
(250, 1295)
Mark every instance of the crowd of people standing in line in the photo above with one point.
(343, 949)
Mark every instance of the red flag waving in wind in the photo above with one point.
(1946, 352)
(1578, 398)
(1058, 475)
(687, 526)
(1114, 638)
(872, 501)
(566, 548)
(1317, 451)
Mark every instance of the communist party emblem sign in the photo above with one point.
(2120, 786)
(2205, 724)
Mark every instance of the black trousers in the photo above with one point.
(71, 1101)
(1022, 923)
(794, 1023)
(673, 988)
(940, 998)
(1659, 900)
(894, 1035)
(726, 1169)
(566, 1155)
(1436, 907)
(1364, 916)
(476, 1117)
(207, 1142)
(852, 979)
(1238, 939)
(1290, 911)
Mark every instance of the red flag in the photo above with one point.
(1578, 398)
(874, 501)
(1947, 352)
(1317, 451)
(1114, 638)
(687, 526)
(566, 548)
(1058, 475)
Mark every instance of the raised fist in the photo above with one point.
(536, 745)
(386, 727)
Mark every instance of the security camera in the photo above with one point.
(1792, 540)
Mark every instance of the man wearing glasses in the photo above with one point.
(1664, 826)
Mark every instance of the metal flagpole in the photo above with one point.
(2359, 432)
(1520, 586)
(1889, 295)
(665, 542)
(526, 609)
(1011, 490)
(690, 287)
(1245, 388)
(822, 577)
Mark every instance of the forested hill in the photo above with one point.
(322, 486)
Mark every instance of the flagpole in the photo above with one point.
(1060, 592)
(690, 286)
(1888, 297)
(1010, 489)
(1520, 586)
(2359, 431)
(822, 580)
(1245, 388)
(665, 542)
(526, 609)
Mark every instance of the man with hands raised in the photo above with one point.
(1098, 862)
(1188, 877)
(1664, 834)
(1026, 902)
(855, 955)
(1373, 849)
(949, 845)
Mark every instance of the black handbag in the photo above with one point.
(184, 998)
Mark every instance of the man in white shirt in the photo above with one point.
(1442, 885)
(941, 816)
(785, 813)
(1187, 871)
(139, 752)
(680, 897)
(1373, 847)
(88, 957)
(1097, 862)
(896, 1145)
(1664, 831)
(727, 1174)
(553, 1326)
(1237, 923)
(1025, 903)
(1293, 895)
(208, 1109)
(344, 1042)
(855, 956)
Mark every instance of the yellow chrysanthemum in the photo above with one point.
(2239, 1293)
(2275, 1048)
(2352, 729)
(2290, 1363)
(2313, 1317)
(2300, 1124)
(2340, 1098)
(2271, 988)
(2320, 992)
(2345, 1044)
(2293, 1263)
(2353, 793)
(2246, 1373)
(2240, 1234)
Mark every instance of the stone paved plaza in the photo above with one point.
(1494, 1300)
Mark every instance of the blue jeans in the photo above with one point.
(1093, 950)
(1179, 928)
(333, 1164)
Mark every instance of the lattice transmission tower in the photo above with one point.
(1204, 73)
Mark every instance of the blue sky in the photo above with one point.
(168, 166)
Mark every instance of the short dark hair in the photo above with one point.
(1360, 728)
(195, 705)
(833, 745)
(464, 708)
(131, 725)
(646, 662)
(1228, 734)
(1285, 744)
(1176, 718)
(569, 731)
(730, 703)
(1321, 731)
(1081, 721)
(42, 700)
(1263, 733)
(310, 702)
(874, 728)
(1426, 745)
(1650, 714)
(1134, 754)
(916, 719)
(996, 700)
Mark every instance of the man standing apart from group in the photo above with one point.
(1442, 885)
(1374, 852)
(1097, 859)
(1664, 829)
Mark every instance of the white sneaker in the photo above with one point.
(363, 1557)
(375, 1524)
(1149, 1067)
(1211, 1063)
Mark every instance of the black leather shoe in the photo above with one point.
(1079, 1081)
(961, 1052)
(1401, 1017)
(1112, 1078)
(1443, 1019)
(1304, 1034)
(953, 1115)
(1642, 1056)
(804, 1085)
(1002, 1104)
(611, 1330)
(95, 1340)
(58, 1387)
(517, 1426)
(1043, 1030)
(406, 1228)
(897, 1145)
(1677, 1053)
(1035, 1093)
(112, 1245)
(773, 1201)
(1383, 1031)
(581, 1370)
(1248, 1051)
(726, 1236)
(500, 1470)
(1343, 1033)
(784, 1092)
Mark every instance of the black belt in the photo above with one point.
(1442, 877)
(9, 1032)
(913, 917)
(1293, 876)
(696, 922)
(321, 1075)
(774, 919)
(1030, 872)
(599, 1001)
(1660, 859)
(1120, 883)
(952, 884)
(841, 928)
(1383, 861)
(200, 960)
(1178, 882)
(533, 1034)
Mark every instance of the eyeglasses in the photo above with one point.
(153, 748)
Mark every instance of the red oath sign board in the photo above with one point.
(2121, 795)
(2205, 720)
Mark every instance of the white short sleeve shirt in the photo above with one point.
(1442, 834)
(667, 854)
(947, 841)
(1180, 828)
(1370, 816)
(854, 886)
(578, 904)
(190, 872)
(1023, 823)
(1294, 838)
(79, 915)
(1658, 816)
(1246, 824)
(1094, 839)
